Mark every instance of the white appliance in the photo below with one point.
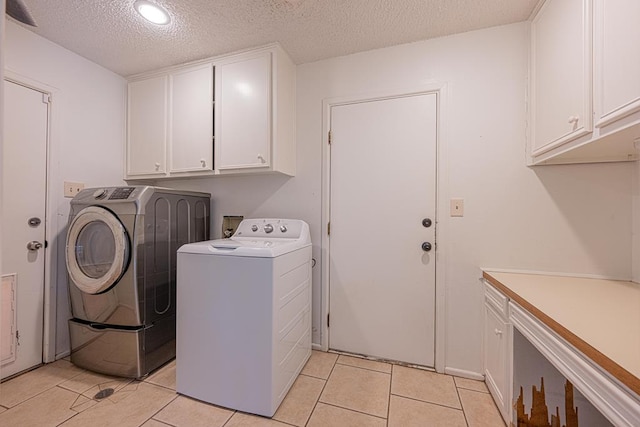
(244, 315)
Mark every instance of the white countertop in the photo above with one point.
(599, 317)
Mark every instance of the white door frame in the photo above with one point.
(51, 218)
(441, 196)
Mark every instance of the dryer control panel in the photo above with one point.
(121, 193)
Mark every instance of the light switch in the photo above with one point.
(72, 188)
(457, 207)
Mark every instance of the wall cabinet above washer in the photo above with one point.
(182, 124)
(255, 117)
(584, 68)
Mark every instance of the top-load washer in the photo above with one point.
(121, 262)
(244, 315)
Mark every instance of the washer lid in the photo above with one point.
(259, 238)
(257, 248)
(97, 252)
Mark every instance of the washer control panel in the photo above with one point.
(272, 228)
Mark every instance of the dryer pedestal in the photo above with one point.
(124, 352)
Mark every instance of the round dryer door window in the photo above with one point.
(97, 250)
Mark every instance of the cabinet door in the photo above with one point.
(617, 36)
(191, 128)
(561, 78)
(147, 127)
(243, 130)
(495, 358)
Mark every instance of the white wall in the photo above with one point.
(636, 224)
(557, 218)
(574, 219)
(87, 135)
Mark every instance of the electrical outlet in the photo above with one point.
(457, 207)
(72, 188)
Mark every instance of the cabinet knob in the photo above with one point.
(262, 160)
(203, 162)
(498, 331)
(573, 119)
(157, 166)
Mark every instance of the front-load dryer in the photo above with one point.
(121, 263)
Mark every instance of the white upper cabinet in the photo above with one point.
(147, 127)
(233, 114)
(170, 124)
(617, 41)
(585, 84)
(255, 118)
(561, 100)
(244, 124)
(191, 125)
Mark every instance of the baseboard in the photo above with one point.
(464, 374)
(315, 346)
(62, 355)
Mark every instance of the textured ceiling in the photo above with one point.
(112, 34)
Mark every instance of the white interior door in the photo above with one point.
(23, 223)
(383, 184)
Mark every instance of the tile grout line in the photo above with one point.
(366, 369)
(389, 399)
(229, 419)
(492, 401)
(464, 414)
(159, 410)
(72, 410)
(354, 410)
(430, 403)
(321, 391)
(476, 391)
(486, 390)
(29, 398)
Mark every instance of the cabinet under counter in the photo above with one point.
(588, 328)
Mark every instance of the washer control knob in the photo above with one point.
(283, 228)
(268, 228)
(254, 228)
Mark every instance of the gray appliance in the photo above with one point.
(121, 261)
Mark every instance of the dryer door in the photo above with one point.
(98, 250)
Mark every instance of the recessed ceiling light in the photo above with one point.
(152, 12)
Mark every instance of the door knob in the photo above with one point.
(34, 245)
(426, 246)
(426, 222)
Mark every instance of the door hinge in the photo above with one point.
(329, 228)
(329, 137)
(46, 98)
(327, 320)
(17, 337)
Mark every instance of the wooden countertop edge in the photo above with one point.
(617, 371)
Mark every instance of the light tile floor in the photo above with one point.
(332, 390)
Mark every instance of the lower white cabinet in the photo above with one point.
(497, 350)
